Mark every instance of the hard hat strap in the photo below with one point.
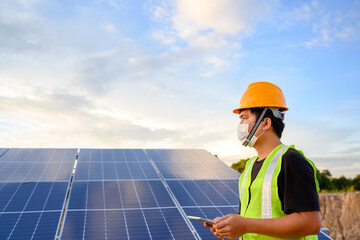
(252, 132)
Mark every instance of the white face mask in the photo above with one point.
(243, 133)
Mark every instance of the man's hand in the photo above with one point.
(294, 225)
(230, 226)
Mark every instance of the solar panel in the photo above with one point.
(117, 187)
(201, 184)
(32, 196)
(97, 208)
(161, 223)
(27, 165)
(207, 199)
(205, 192)
(33, 187)
(29, 225)
(31, 209)
(114, 164)
(119, 194)
(180, 164)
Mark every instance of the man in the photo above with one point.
(278, 189)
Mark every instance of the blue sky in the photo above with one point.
(167, 74)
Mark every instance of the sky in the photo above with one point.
(168, 73)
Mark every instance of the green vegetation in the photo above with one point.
(240, 165)
(326, 181)
(342, 184)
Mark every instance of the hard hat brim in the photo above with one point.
(237, 110)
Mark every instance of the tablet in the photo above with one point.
(201, 220)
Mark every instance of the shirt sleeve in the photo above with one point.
(297, 188)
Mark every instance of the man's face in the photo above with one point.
(246, 117)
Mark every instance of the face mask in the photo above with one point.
(243, 133)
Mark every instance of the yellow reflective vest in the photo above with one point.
(265, 201)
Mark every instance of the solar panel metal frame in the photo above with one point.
(3, 151)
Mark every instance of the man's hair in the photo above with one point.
(277, 124)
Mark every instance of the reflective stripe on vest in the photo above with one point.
(242, 183)
(266, 209)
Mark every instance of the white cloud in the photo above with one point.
(327, 25)
(164, 37)
(215, 27)
(116, 4)
(302, 13)
(216, 64)
(210, 23)
(60, 118)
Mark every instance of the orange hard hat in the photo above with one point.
(262, 94)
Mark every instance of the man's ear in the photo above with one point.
(267, 123)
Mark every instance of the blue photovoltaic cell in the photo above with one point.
(180, 155)
(29, 225)
(205, 192)
(227, 189)
(113, 155)
(190, 164)
(167, 224)
(32, 171)
(33, 196)
(196, 170)
(114, 171)
(119, 194)
(27, 165)
(126, 224)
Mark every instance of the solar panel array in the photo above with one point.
(113, 194)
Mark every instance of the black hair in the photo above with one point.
(277, 124)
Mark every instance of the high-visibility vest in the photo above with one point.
(265, 201)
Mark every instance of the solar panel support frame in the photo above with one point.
(62, 218)
(4, 152)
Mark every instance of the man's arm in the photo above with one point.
(289, 226)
